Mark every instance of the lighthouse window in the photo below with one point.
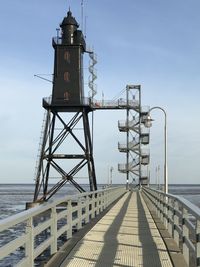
(67, 56)
(66, 96)
(66, 76)
(72, 38)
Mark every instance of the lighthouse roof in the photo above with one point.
(69, 20)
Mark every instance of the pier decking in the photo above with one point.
(126, 236)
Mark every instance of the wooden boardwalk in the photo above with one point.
(125, 236)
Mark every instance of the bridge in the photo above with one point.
(109, 227)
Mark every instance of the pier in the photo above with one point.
(109, 227)
(123, 226)
(126, 236)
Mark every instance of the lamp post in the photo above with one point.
(111, 170)
(148, 124)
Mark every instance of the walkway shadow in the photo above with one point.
(111, 245)
(150, 253)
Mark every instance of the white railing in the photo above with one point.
(132, 166)
(120, 103)
(131, 124)
(134, 104)
(133, 146)
(182, 220)
(42, 226)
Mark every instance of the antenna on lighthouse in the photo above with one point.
(82, 13)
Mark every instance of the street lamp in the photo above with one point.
(148, 124)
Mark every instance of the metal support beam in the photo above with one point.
(51, 157)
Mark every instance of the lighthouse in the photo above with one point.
(66, 110)
(68, 65)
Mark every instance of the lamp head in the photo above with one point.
(148, 121)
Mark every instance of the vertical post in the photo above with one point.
(97, 203)
(69, 219)
(108, 181)
(140, 165)
(46, 121)
(165, 210)
(106, 198)
(198, 243)
(51, 135)
(170, 215)
(54, 230)
(159, 205)
(156, 202)
(176, 223)
(87, 204)
(109, 197)
(111, 170)
(157, 178)
(149, 175)
(166, 166)
(127, 137)
(79, 214)
(29, 247)
(185, 236)
(93, 206)
(162, 208)
(89, 151)
(101, 202)
(82, 8)
(158, 173)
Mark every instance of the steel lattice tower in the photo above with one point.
(66, 111)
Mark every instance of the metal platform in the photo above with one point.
(125, 236)
(93, 104)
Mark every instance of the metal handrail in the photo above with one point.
(102, 103)
(195, 211)
(75, 211)
(182, 220)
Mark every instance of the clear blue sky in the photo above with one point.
(149, 42)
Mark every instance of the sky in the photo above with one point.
(154, 43)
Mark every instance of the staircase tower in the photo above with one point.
(137, 138)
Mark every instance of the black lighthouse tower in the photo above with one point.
(68, 76)
(66, 121)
